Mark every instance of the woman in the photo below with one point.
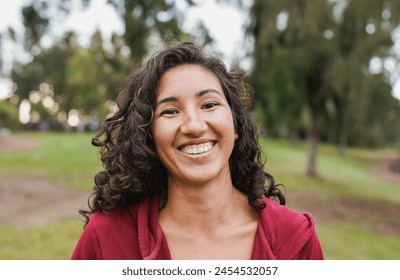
(183, 174)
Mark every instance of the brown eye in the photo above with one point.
(169, 111)
(210, 105)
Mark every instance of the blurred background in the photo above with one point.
(326, 82)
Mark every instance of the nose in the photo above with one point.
(193, 124)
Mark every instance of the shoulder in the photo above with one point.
(283, 216)
(107, 235)
(115, 217)
(114, 224)
(287, 231)
(128, 233)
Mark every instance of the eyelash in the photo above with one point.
(207, 106)
(169, 111)
(211, 104)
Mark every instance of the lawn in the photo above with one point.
(345, 175)
(67, 158)
(70, 160)
(54, 241)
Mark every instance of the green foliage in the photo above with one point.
(87, 78)
(312, 57)
(81, 78)
(35, 23)
(142, 19)
(8, 115)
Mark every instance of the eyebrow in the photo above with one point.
(198, 94)
(204, 91)
(167, 99)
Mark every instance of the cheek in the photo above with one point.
(158, 135)
(230, 123)
(163, 135)
(225, 127)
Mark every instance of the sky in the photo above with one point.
(224, 22)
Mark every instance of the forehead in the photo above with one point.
(187, 78)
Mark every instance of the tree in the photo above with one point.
(364, 34)
(145, 19)
(8, 115)
(35, 24)
(48, 67)
(311, 58)
(80, 78)
(85, 78)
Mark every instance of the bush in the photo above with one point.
(8, 116)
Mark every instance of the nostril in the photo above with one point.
(193, 125)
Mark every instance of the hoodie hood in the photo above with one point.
(283, 233)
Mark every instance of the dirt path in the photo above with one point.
(27, 201)
(376, 215)
(12, 144)
(382, 170)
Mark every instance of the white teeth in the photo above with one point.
(200, 149)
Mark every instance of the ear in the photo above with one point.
(236, 136)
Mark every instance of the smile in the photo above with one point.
(197, 149)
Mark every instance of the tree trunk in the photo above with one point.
(313, 141)
(343, 130)
(343, 142)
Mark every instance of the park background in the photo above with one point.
(326, 81)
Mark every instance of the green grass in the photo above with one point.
(70, 160)
(343, 175)
(345, 241)
(55, 241)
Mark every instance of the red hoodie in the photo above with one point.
(135, 234)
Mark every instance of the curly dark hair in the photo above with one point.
(132, 168)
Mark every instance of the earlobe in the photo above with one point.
(236, 136)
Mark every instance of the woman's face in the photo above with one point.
(193, 126)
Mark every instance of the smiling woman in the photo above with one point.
(193, 126)
(181, 155)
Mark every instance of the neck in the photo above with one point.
(204, 207)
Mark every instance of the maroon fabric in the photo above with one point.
(135, 234)
(285, 234)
